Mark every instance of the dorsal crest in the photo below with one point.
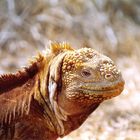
(56, 47)
(12, 80)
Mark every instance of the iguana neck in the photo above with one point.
(44, 108)
(75, 121)
(42, 96)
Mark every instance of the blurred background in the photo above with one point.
(110, 26)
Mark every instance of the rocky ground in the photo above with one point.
(111, 27)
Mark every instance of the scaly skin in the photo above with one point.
(56, 93)
(88, 78)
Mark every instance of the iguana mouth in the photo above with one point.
(95, 92)
(101, 93)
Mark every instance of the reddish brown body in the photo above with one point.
(56, 93)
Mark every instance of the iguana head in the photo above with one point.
(88, 78)
(77, 81)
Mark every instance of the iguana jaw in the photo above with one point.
(100, 95)
(95, 92)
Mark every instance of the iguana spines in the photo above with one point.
(57, 48)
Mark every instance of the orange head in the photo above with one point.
(88, 78)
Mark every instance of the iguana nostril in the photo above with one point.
(109, 71)
(105, 62)
(109, 77)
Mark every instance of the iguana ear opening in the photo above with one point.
(54, 88)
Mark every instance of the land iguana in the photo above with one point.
(56, 93)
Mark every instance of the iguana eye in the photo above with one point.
(85, 73)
